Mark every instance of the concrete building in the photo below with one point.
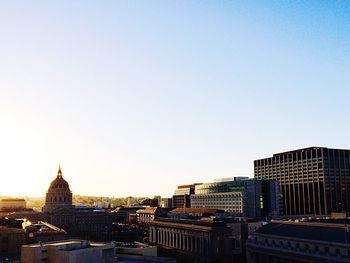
(313, 180)
(299, 242)
(139, 252)
(15, 233)
(166, 203)
(182, 196)
(201, 240)
(147, 215)
(234, 202)
(125, 214)
(11, 240)
(69, 251)
(44, 232)
(136, 248)
(239, 195)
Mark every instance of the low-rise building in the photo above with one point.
(44, 232)
(69, 251)
(136, 248)
(202, 240)
(147, 215)
(12, 204)
(122, 214)
(139, 252)
(11, 240)
(166, 203)
(299, 242)
(15, 233)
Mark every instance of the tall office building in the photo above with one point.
(313, 180)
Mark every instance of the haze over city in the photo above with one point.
(134, 98)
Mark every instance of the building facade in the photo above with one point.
(239, 195)
(299, 242)
(166, 203)
(182, 196)
(147, 215)
(15, 233)
(313, 180)
(202, 240)
(11, 240)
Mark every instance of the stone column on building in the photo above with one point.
(180, 240)
(169, 237)
(188, 243)
(195, 244)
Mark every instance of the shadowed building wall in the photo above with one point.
(313, 180)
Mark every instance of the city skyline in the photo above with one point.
(136, 98)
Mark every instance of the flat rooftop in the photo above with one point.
(326, 232)
(71, 244)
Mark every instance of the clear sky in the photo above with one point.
(136, 97)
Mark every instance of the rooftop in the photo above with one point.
(326, 232)
(71, 244)
(13, 200)
(306, 149)
(207, 222)
(196, 210)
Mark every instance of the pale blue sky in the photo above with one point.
(136, 97)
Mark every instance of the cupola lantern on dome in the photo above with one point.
(59, 173)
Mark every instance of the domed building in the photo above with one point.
(59, 194)
(77, 221)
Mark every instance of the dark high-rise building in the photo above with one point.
(313, 180)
